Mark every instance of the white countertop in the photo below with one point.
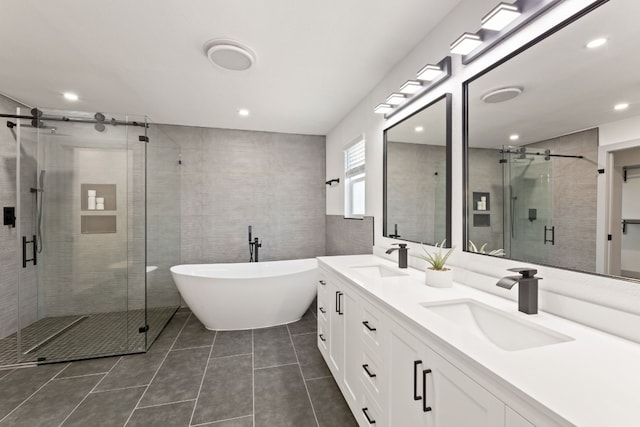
(593, 380)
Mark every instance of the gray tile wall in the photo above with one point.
(416, 191)
(232, 179)
(349, 236)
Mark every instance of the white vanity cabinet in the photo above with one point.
(426, 390)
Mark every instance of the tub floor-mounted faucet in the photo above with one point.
(254, 245)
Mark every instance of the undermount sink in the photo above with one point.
(504, 330)
(377, 271)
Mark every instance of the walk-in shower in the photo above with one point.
(528, 208)
(94, 195)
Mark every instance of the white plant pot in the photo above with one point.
(438, 278)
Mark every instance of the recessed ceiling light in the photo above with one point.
(514, 137)
(229, 54)
(419, 128)
(243, 112)
(410, 87)
(396, 98)
(70, 96)
(383, 108)
(596, 43)
(621, 106)
(501, 16)
(465, 44)
(429, 72)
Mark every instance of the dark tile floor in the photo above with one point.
(273, 377)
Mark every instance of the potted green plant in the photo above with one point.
(437, 274)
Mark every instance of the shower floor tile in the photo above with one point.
(219, 382)
(75, 337)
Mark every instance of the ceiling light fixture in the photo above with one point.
(70, 96)
(596, 43)
(429, 72)
(419, 128)
(514, 137)
(501, 95)
(383, 108)
(396, 98)
(410, 87)
(621, 106)
(243, 112)
(229, 54)
(500, 17)
(465, 44)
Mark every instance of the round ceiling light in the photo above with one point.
(229, 54)
(501, 95)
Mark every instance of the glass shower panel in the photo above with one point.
(163, 198)
(77, 190)
(527, 210)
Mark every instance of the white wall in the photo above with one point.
(560, 287)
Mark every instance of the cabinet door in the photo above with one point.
(352, 344)
(336, 330)
(456, 400)
(404, 366)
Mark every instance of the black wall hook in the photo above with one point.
(331, 181)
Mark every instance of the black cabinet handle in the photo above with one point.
(366, 324)
(366, 369)
(322, 282)
(425, 408)
(415, 379)
(322, 338)
(340, 295)
(322, 310)
(338, 302)
(366, 414)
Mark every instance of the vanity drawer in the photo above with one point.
(371, 327)
(369, 412)
(372, 376)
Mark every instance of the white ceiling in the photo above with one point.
(567, 87)
(315, 59)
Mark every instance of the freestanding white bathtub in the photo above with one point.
(247, 295)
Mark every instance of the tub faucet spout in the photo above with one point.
(527, 289)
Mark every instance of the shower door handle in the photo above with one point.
(34, 257)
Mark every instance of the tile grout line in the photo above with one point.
(313, 409)
(166, 403)
(319, 378)
(208, 423)
(90, 391)
(157, 370)
(232, 355)
(274, 366)
(119, 388)
(33, 394)
(303, 333)
(253, 379)
(204, 374)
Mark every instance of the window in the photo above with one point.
(354, 179)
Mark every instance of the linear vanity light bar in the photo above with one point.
(429, 72)
(410, 87)
(383, 108)
(500, 17)
(465, 44)
(396, 98)
(499, 24)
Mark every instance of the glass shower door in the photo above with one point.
(528, 221)
(82, 288)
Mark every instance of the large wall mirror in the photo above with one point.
(417, 182)
(536, 126)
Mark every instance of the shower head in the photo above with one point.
(99, 127)
(99, 117)
(36, 113)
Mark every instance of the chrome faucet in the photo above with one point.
(527, 289)
(402, 254)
